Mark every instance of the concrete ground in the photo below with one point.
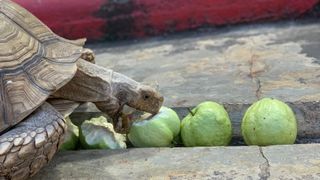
(241, 162)
(230, 65)
(234, 66)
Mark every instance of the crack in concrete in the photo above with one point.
(258, 91)
(265, 167)
(254, 75)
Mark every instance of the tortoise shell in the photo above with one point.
(34, 63)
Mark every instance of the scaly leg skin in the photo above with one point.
(29, 146)
(125, 123)
(113, 109)
(88, 55)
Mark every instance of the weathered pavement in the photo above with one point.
(276, 162)
(233, 66)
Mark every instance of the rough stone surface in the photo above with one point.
(157, 163)
(273, 162)
(233, 66)
(230, 65)
(293, 162)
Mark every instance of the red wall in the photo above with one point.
(113, 19)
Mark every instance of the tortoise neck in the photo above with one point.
(124, 88)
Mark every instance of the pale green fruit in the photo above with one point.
(269, 122)
(208, 125)
(97, 133)
(157, 131)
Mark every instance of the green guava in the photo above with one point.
(269, 122)
(159, 130)
(71, 137)
(97, 133)
(208, 124)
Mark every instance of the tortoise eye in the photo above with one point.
(146, 97)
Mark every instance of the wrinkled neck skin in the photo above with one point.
(124, 88)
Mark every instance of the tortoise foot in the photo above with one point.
(29, 146)
(88, 55)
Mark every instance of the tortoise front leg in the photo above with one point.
(26, 148)
(125, 123)
(112, 108)
(120, 120)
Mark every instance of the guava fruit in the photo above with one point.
(269, 122)
(71, 137)
(159, 130)
(208, 124)
(98, 133)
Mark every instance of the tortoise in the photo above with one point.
(43, 78)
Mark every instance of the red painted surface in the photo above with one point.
(69, 18)
(100, 19)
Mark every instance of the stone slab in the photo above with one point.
(230, 65)
(157, 163)
(293, 162)
(234, 66)
(241, 162)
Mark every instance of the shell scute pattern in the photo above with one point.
(34, 62)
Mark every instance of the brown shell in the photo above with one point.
(34, 62)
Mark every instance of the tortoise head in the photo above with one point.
(146, 99)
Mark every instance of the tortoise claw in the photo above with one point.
(121, 123)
